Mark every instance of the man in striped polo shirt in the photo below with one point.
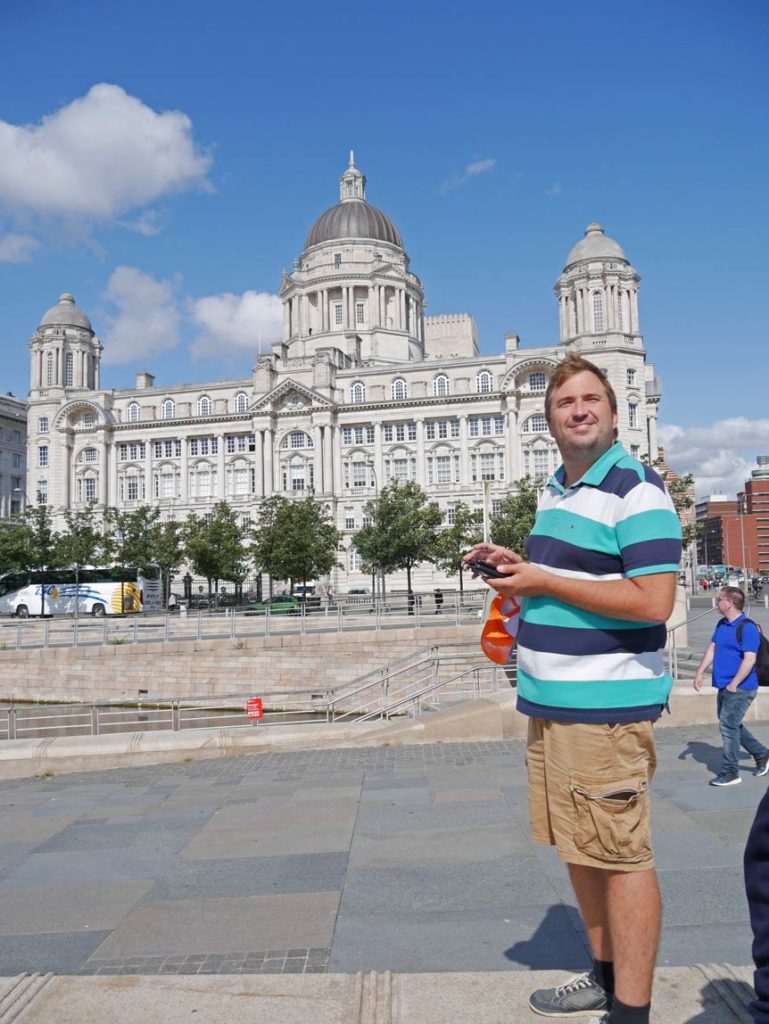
(597, 589)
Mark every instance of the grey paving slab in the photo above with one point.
(445, 887)
(507, 939)
(409, 796)
(95, 867)
(375, 819)
(708, 850)
(85, 838)
(318, 872)
(60, 953)
(681, 946)
(67, 908)
(438, 846)
(244, 923)
(31, 829)
(732, 827)
(694, 896)
(250, 840)
(12, 854)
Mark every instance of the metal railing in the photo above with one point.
(408, 686)
(230, 623)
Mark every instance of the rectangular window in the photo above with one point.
(42, 425)
(338, 314)
(42, 455)
(412, 431)
(193, 446)
(401, 470)
(499, 425)
(88, 419)
(231, 441)
(400, 431)
(204, 484)
(132, 488)
(540, 463)
(632, 414)
(346, 435)
(349, 519)
(454, 428)
(17, 461)
(359, 474)
(473, 428)
(487, 465)
(443, 469)
(89, 489)
(451, 515)
(430, 430)
(337, 259)
(359, 435)
(90, 455)
(631, 378)
(443, 428)
(388, 432)
(167, 488)
(369, 435)
(359, 312)
(635, 450)
(42, 492)
(16, 436)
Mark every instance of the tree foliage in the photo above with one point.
(215, 548)
(681, 491)
(128, 535)
(265, 534)
(403, 530)
(455, 541)
(36, 546)
(302, 541)
(513, 522)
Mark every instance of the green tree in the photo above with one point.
(128, 538)
(455, 541)
(403, 530)
(39, 546)
(513, 522)
(264, 536)
(214, 546)
(305, 541)
(681, 491)
(167, 551)
(83, 542)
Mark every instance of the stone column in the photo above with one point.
(337, 459)
(513, 443)
(221, 479)
(634, 311)
(269, 483)
(464, 459)
(652, 428)
(328, 456)
(184, 471)
(317, 458)
(259, 464)
(420, 451)
(149, 493)
(402, 308)
(373, 318)
(104, 452)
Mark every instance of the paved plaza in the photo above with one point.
(409, 859)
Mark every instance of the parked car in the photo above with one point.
(279, 604)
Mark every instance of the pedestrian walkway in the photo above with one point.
(410, 859)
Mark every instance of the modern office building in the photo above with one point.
(363, 388)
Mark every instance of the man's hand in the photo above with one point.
(732, 687)
(697, 682)
(494, 554)
(524, 580)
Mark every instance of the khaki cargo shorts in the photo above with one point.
(589, 791)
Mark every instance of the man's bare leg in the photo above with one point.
(622, 913)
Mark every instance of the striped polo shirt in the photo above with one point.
(616, 522)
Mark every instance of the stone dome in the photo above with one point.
(595, 246)
(66, 314)
(353, 218)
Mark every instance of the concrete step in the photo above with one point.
(709, 994)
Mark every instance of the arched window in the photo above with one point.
(400, 391)
(241, 402)
(297, 439)
(484, 382)
(49, 369)
(69, 369)
(537, 381)
(441, 385)
(204, 406)
(89, 455)
(168, 409)
(597, 311)
(536, 424)
(357, 393)
(133, 412)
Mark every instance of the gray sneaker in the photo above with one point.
(580, 996)
(726, 779)
(762, 764)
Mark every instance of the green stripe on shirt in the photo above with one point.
(595, 693)
(655, 524)
(575, 529)
(547, 611)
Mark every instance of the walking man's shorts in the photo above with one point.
(589, 791)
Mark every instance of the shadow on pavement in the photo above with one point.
(555, 945)
(736, 995)
(705, 753)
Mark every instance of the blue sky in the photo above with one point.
(165, 162)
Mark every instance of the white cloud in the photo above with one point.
(100, 156)
(145, 319)
(248, 322)
(721, 456)
(472, 170)
(149, 223)
(17, 248)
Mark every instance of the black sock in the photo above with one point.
(621, 1013)
(603, 971)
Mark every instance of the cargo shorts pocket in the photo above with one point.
(612, 818)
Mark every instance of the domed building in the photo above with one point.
(362, 389)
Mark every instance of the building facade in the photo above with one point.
(362, 389)
(736, 531)
(13, 455)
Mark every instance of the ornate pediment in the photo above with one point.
(291, 397)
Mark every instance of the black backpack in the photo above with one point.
(762, 658)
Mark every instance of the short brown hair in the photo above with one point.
(570, 367)
(735, 595)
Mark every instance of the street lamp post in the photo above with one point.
(378, 580)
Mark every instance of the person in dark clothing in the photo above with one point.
(438, 594)
(757, 891)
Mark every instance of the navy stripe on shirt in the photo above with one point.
(584, 642)
(597, 716)
(619, 481)
(663, 551)
(560, 554)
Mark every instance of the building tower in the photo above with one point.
(351, 293)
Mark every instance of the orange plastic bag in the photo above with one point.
(500, 629)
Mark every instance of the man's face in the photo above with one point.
(581, 419)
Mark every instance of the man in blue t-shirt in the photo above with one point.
(733, 658)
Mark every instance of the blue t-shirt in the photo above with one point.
(728, 657)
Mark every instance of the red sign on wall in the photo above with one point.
(254, 707)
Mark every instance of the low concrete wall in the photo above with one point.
(210, 667)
